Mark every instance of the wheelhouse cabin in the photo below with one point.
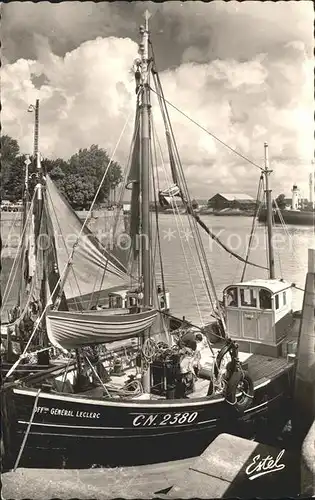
(258, 315)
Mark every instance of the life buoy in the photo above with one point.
(240, 382)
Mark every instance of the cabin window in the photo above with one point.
(277, 301)
(248, 297)
(284, 295)
(265, 299)
(231, 297)
(115, 302)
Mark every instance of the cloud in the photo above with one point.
(240, 103)
(85, 99)
(66, 24)
(183, 32)
(251, 89)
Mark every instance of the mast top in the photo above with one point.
(31, 108)
(267, 169)
(144, 47)
(267, 172)
(147, 16)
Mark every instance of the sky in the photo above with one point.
(242, 70)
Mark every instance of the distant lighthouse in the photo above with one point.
(295, 198)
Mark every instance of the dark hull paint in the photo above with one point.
(113, 439)
(290, 217)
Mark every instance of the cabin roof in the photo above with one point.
(274, 286)
(236, 196)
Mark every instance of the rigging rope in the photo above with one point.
(278, 253)
(37, 324)
(27, 431)
(157, 246)
(68, 255)
(285, 229)
(199, 249)
(155, 201)
(7, 243)
(95, 197)
(187, 201)
(155, 72)
(116, 217)
(197, 218)
(18, 254)
(258, 204)
(210, 133)
(63, 275)
(176, 213)
(96, 374)
(266, 235)
(203, 280)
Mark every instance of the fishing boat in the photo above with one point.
(296, 213)
(296, 217)
(162, 402)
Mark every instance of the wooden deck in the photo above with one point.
(260, 367)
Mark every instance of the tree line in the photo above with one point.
(78, 178)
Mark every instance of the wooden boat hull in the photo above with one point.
(74, 431)
(72, 329)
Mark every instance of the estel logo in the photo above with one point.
(259, 467)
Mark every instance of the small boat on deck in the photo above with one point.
(162, 402)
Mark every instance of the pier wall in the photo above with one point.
(304, 393)
(226, 469)
(234, 467)
(308, 463)
(304, 397)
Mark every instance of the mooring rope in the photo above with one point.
(27, 432)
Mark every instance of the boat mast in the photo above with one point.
(26, 208)
(38, 212)
(39, 173)
(36, 155)
(267, 172)
(36, 130)
(145, 178)
(26, 196)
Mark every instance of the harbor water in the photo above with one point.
(291, 247)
